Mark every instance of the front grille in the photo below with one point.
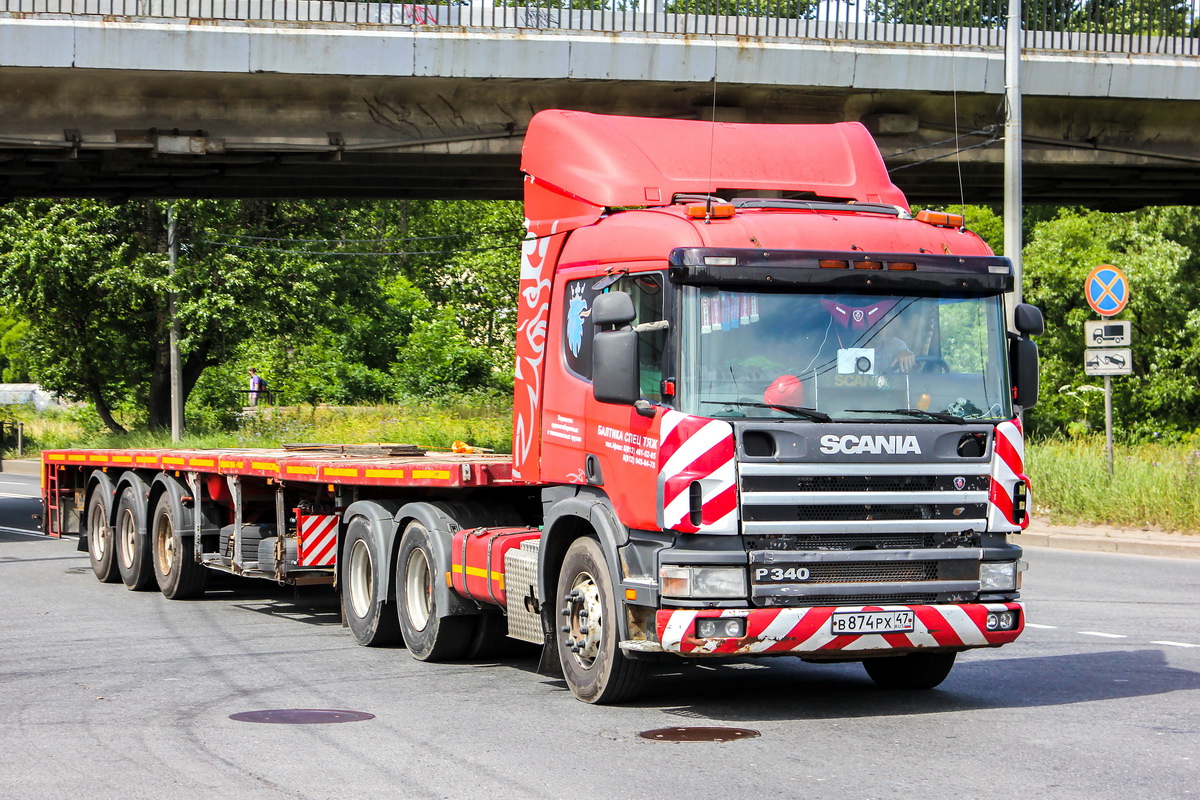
(855, 600)
(859, 541)
(862, 512)
(881, 572)
(861, 483)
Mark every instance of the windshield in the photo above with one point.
(842, 357)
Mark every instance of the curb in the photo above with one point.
(1176, 546)
(21, 466)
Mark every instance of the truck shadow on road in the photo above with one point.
(754, 691)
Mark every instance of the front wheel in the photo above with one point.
(913, 671)
(592, 662)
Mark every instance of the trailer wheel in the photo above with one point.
(913, 671)
(593, 665)
(428, 635)
(372, 621)
(101, 547)
(175, 568)
(133, 550)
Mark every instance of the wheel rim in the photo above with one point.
(127, 535)
(164, 545)
(362, 578)
(584, 612)
(418, 589)
(98, 532)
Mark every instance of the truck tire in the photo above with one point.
(491, 640)
(594, 667)
(372, 618)
(102, 551)
(913, 671)
(428, 635)
(132, 543)
(173, 558)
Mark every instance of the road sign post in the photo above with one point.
(1107, 292)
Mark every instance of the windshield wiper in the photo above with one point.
(913, 412)
(799, 411)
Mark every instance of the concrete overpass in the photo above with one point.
(120, 105)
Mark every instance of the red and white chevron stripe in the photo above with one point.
(799, 631)
(318, 539)
(1008, 467)
(691, 450)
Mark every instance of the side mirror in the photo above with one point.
(615, 366)
(613, 308)
(1028, 319)
(614, 350)
(1023, 362)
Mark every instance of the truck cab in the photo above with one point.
(773, 410)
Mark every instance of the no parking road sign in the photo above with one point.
(1107, 290)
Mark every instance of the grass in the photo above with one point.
(1152, 486)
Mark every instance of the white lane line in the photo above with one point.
(23, 532)
(1177, 644)
(22, 496)
(1105, 635)
(1045, 627)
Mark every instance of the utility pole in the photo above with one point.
(1012, 143)
(176, 369)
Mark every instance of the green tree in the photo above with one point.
(90, 278)
(1162, 395)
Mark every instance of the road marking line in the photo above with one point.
(21, 496)
(1035, 625)
(23, 532)
(1177, 644)
(1105, 635)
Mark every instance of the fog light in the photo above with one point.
(1002, 621)
(998, 576)
(720, 628)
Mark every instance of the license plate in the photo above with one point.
(859, 622)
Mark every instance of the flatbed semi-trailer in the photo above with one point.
(760, 409)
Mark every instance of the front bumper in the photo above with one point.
(806, 631)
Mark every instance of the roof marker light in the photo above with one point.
(940, 218)
(720, 261)
(902, 265)
(833, 263)
(710, 210)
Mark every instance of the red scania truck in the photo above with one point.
(761, 409)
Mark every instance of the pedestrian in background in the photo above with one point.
(257, 385)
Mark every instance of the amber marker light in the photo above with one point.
(940, 219)
(868, 265)
(710, 211)
(901, 265)
(833, 263)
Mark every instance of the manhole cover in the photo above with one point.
(301, 716)
(701, 734)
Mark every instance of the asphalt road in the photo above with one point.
(106, 693)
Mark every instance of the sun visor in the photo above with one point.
(622, 162)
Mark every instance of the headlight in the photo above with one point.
(998, 576)
(703, 582)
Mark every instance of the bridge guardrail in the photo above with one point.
(1131, 26)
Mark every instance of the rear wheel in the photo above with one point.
(592, 662)
(101, 547)
(372, 620)
(175, 568)
(913, 671)
(428, 635)
(133, 551)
